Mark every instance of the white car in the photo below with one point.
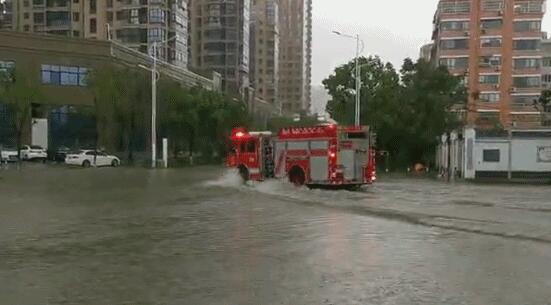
(8, 154)
(87, 158)
(33, 152)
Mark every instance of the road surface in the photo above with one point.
(196, 236)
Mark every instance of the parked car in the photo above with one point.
(60, 154)
(33, 152)
(87, 158)
(8, 154)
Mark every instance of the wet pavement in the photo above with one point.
(196, 236)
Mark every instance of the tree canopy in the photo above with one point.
(18, 91)
(194, 119)
(408, 110)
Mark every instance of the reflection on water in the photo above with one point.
(199, 236)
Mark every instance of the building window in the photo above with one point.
(547, 61)
(109, 16)
(490, 24)
(26, 28)
(493, 42)
(490, 61)
(26, 3)
(524, 99)
(526, 44)
(76, 33)
(546, 78)
(76, 16)
(527, 26)
(26, 16)
(492, 5)
(490, 79)
(454, 25)
(7, 69)
(454, 44)
(109, 3)
(38, 17)
(64, 75)
(526, 63)
(156, 16)
(527, 7)
(489, 97)
(455, 63)
(491, 155)
(93, 6)
(455, 7)
(155, 34)
(527, 81)
(93, 26)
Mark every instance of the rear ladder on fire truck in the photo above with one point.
(268, 158)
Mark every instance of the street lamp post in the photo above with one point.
(154, 108)
(358, 74)
(154, 75)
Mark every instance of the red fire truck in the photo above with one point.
(321, 156)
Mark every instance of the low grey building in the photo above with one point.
(515, 154)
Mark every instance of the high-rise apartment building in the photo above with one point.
(496, 45)
(219, 41)
(265, 50)
(135, 23)
(295, 55)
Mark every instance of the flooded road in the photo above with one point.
(195, 236)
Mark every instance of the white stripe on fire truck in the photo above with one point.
(254, 171)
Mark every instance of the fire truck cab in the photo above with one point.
(321, 156)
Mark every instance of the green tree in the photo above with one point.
(543, 105)
(379, 91)
(407, 110)
(18, 91)
(199, 120)
(121, 99)
(429, 94)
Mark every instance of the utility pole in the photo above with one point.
(154, 108)
(358, 82)
(358, 75)
(154, 76)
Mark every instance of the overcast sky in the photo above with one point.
(393, 29)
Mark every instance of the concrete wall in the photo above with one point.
(530, 154)
(525, 156)
(481, 145)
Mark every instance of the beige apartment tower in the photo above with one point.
(219, 41)
(496, 46)
(135, 23)
(265, 50)
(295, 55)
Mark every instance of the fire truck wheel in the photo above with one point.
(244, 173)
(297, 176)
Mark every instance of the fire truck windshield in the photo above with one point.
(248, 147)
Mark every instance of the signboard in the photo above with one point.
(544, 154)
(308, 132)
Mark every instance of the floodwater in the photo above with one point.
(196, 236)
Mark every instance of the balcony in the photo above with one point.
(523, 8)
(492, 5)
(454, 8)
(525, 107)
(133, 3)
(58, 4)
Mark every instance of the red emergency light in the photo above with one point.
(239, 133)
